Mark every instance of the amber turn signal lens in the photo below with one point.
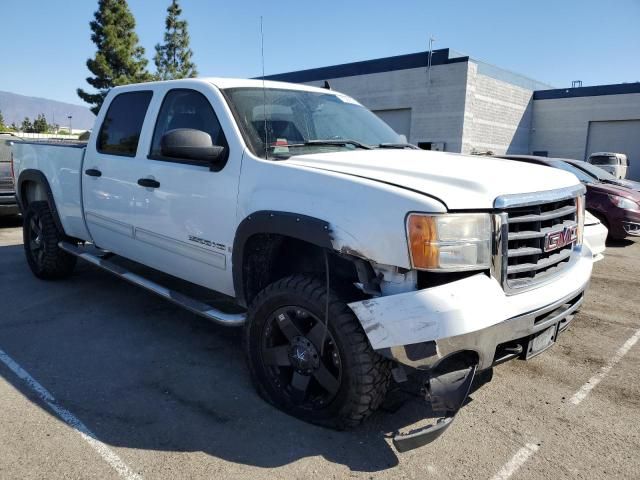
(423, 244)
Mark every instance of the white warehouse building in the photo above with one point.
(460, 104)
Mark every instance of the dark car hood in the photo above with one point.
(626, 184)
(610, 189)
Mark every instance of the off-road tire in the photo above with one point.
(365, 375)
(50, 262)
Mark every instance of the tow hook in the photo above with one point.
(447, 393)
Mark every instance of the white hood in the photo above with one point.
(459, 181)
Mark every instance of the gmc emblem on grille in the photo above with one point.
(560, 238)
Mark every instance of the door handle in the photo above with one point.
(148, 182)
(93, 172)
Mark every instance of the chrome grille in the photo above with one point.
(528, 227)
(522, 229)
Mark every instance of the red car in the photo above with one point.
(617, 207)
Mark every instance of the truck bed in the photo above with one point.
(61, 164)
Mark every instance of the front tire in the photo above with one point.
(41, 236)
(330, 377)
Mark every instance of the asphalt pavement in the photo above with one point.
(100, 379)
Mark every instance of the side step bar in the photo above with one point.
(196, 306)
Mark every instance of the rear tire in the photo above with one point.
(327, 377)
(41, 236)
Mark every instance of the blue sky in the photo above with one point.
(45, 44)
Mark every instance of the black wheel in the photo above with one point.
(41, 237)
(327, 376)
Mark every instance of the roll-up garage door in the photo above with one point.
(620, 136)
(399, 119)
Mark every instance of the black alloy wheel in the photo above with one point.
(323, 374)
(41, 237)
(301, 357)
(36, 241)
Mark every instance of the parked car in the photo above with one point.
(595, 236)
(347, 254)
(618, 208)
(616, 164)
(8, 205)
(602, 175)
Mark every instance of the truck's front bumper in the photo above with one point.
(595, 236)
(421, 328)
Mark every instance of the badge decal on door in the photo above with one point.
(207, 243)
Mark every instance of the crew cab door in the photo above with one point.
(185, 213)
(107, 177)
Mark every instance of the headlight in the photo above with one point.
(451, 242)
(625, 203)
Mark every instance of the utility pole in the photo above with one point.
(431, 40)
(70, 117)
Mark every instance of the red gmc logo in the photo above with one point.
(558, 239)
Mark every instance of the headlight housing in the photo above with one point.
(625, 203)
(450, 242)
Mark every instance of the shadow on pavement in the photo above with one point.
(143, 374)
(10, 221)
(619, 243)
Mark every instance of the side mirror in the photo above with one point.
(191, 144)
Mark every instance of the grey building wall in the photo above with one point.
(497, 113)
(436, 109)
(561, 125)
(470, 105)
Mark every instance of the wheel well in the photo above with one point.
(32, 186)
(32, 191)
(269, 257)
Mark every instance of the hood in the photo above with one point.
(610, 189)
(626, 184)
(459, 181)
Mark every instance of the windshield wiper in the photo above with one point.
(331, 142)
(338, 142)
(398, 145)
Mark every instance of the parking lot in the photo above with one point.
(166, 395)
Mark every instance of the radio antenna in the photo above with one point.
(264, 94)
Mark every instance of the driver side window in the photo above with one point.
(183, 108)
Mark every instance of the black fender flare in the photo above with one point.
(36, 176)
(301, 227)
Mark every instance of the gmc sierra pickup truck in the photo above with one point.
(352, 259)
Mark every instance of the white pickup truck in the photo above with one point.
(350, 257)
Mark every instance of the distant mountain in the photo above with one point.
(15, 107)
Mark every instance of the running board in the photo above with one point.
(195, 306)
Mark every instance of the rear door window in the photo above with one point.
(120, 130)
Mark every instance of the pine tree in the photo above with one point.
(1, 121)
(173, 58)
(40, 124)
(119, 59)
(27, 126)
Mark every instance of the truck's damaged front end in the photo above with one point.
(485, 287)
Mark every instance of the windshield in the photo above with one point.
(583, 177)
(295, 122)
(604, 160)
(597, 172)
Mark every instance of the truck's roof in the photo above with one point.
(224, 83)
